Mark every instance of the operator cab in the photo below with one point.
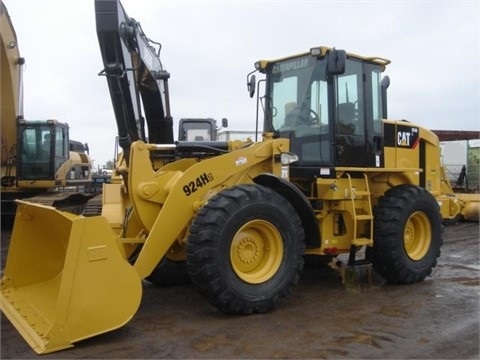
(329, 104)
(199, 129)
(43, 147)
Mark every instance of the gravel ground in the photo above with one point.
(437, 318)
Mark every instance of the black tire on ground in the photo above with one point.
(245, 249)
(407, 234)
(169, 273)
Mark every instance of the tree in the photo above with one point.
(109, 165)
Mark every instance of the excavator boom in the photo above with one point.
(134, 71)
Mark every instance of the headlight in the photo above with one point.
(288, 158)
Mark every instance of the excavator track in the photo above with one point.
(93, 207)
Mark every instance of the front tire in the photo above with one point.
(245, 249)
(407, 234)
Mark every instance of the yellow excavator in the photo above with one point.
(38, 159)
(331, 177)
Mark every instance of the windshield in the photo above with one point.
(297, 108)
(298, 94)
(196, 130)
(43, 149)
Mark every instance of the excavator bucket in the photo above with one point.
(65, 278)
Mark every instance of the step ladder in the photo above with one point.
(362, 214)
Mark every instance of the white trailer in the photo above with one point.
(461, 160)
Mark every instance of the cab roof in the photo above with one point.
(321, 51)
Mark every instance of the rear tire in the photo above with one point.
(407, 234)
(245, 249)
(172, 269)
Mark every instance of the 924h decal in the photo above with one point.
(196, 184)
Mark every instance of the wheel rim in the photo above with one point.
(256, 251)
(417, 235)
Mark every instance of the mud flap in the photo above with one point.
(362, 277)
(65, 278)
(357, 278)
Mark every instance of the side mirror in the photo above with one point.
(336, 61)
(251, 82)
(224, 122)
(384, 84)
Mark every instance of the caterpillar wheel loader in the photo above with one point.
(330, 177)
(39, 161)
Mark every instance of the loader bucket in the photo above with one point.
(65, 278)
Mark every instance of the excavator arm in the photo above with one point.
(134, 72)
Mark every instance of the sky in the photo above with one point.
(209, 47)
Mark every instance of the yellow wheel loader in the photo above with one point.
(331, 177)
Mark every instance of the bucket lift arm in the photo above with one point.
(133, 70)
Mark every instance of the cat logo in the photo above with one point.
(403, 138)
(407, 137)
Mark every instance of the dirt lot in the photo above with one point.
(438, 318)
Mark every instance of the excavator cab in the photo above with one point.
(43, 146)
(199, 129)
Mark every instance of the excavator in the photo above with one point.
(331, 178)
(38, 159)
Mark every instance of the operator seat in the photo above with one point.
(46, 143)
(346, 118)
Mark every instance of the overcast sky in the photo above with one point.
(209, 47)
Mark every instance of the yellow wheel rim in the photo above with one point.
(417, 235)
(256, 251)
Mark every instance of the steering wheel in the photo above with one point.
(314, 118)
(301, 115)
(307, 116)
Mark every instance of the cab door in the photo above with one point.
(358, 115)
(35, 147)
(349, 116)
